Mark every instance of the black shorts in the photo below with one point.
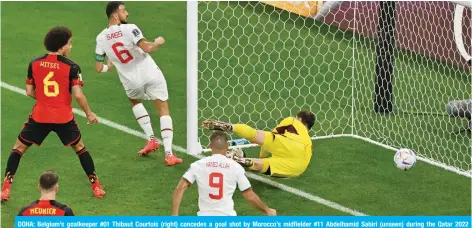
(35, 133)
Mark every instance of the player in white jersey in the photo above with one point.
(127, 49)
(217, 178)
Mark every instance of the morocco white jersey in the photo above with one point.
(217, 178)
(119, 43)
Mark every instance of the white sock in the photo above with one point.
(143, 119)
(167, 133)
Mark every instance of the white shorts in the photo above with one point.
(156, 89)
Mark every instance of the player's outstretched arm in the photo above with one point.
(30, 91)
(150, 47)
(178, 195)
(82, 101)
(255, 201)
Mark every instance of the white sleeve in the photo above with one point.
(243, 182)
(190, 176)
(135, 34)
(99, 53)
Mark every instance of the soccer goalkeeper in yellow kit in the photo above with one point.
(288, 143)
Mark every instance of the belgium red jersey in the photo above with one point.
(46, 208)
(53, 77)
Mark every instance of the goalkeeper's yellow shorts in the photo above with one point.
(288, 157)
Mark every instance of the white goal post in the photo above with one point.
(258, 62)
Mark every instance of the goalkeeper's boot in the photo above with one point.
(151, 146)
(172, 159)
(6, 188)
(96, 187)
(217, 125)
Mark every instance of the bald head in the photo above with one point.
(219, 141)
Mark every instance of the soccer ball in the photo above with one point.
(404, 159)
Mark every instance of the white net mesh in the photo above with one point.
(428, 73)
(259, 63)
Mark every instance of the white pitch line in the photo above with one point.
(264, 180)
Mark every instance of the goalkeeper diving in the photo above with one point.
(289, 145)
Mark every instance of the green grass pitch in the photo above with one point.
(350, 172)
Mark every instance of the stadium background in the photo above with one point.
(352, 173)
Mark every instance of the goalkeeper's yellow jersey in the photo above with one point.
(294, 129)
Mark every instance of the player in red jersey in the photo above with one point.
(52, 80)
(47, 204)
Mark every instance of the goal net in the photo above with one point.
(259, 62)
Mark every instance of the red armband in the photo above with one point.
(29, 81)
(77, 82)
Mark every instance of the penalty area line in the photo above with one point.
(264, 180)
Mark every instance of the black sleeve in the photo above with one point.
(74, 71)
(30, 71)
(22, 210)
(68, 211)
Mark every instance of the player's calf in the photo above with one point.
(12, 166)
(167, 131)
(143, 118)
(89, 168)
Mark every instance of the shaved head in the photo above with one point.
(219, 141)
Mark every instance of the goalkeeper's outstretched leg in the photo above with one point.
(249, 133)
(289, 144)
(242, 130)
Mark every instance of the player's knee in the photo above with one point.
(20, 146)
(79, 146)
(162, 107)
(134, 101)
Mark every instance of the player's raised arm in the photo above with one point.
(137, 37)
(150, 47)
